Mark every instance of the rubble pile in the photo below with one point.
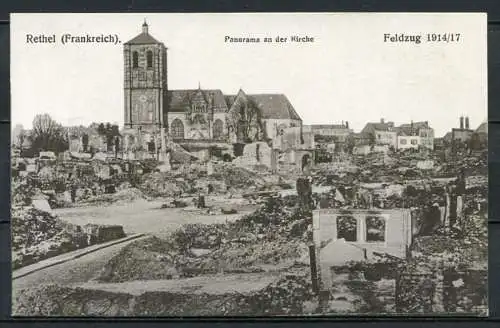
(55, 300)
(148, 259)
(238, 177)
(457, 259)
(121, 196)
(286, 296)
(31, 226)
(22, 192)
(271, 237)
(38, 235)
(159, 184)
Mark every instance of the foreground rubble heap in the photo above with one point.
(263, 296)
(38, 234)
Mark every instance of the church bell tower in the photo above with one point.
(145, 83)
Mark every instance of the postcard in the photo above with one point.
(256, 164)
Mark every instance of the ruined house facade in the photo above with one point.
(406, 136)
(154, 115)
(415, 135)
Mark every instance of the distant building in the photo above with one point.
(339, 132)
(463, 133)
(482, 132)
(361, 139)
(380, 133)
(408, 142)
(17, 136)
(415, 135)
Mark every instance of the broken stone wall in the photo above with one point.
(257, 153)
(102, 233)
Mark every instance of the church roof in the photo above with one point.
(143, 38)
(275, 106)
(180, 100)
(272, 106)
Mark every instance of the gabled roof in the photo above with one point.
(275, 106)
(371, 127)
(416, 125)
(180, 100)
(482, 128)
(143, 38)
(408, 128)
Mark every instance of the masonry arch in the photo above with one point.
(306, 161)
(218, 129)
(177, 129)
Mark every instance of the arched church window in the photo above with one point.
(177, 128)
(218, 129)
(135, 59)
(149, 59)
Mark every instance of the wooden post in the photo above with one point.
(314, 268)
(397, 293)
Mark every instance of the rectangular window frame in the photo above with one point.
(337, 237)
(365, 237)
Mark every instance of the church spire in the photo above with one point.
(145, 27)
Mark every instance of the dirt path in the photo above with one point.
(208, 284)
(79, 270)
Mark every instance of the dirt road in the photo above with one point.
(81, 269)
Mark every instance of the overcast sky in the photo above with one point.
(347, 74)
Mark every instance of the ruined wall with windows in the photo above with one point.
(384, 231)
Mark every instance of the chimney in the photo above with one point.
(461, 122)
(467, 122)
(346, 125)
(382, 120)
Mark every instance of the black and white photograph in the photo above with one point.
(252, 165)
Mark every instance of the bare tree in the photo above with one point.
(245, 121)
(44, 125)
(47, 134)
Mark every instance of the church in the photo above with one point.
(155, 116)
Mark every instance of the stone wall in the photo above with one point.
(257, 153)
(103, 233)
